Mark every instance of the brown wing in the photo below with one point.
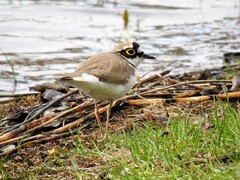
(108, 67)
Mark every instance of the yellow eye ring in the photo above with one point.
(130, 52)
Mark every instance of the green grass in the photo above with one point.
(181, 150)
(209, 148)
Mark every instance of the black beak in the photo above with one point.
(145, 56)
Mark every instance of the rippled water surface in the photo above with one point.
(43, 38)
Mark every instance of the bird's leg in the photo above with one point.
(98, 117)
(109, 113)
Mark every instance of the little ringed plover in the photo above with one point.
(108, 75)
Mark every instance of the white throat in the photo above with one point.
(133, 62)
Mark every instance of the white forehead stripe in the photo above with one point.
(139, 49)
(130, 46)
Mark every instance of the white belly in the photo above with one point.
(100, 90)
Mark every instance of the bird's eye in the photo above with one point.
(130, 52)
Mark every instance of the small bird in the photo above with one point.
(108, 75)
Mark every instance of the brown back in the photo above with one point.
(108, 67)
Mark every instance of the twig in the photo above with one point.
(58, 116)
(82, 119)
(10, 62)
(43, 139)
(39, 112)
(25, 127)
(154, 69)
(16, 95)
(9, 135)
(51, 104)
(184, 99)
(10, 100)
(187, 83)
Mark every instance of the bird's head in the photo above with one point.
(132, 52)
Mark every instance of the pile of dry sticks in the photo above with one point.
(73, 113)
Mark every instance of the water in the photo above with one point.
(43, 38)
